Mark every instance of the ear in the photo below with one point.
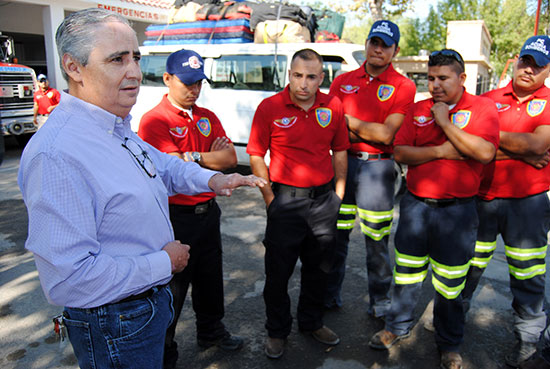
(322, 76)
(462, 78)
(72, 68)
(397, 49)
(166, 78)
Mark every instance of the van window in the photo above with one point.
(332, 65)
(249, 72)
(153, 67)
(359, 56)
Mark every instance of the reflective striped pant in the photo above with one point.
(523, 224)
(369, 194)
(443, 237)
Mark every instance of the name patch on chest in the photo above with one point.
(461, 118)
(385, 92)
(422, 120)
(349, 89)
(204, 126)
(502, 107)
(324, 116)
(285, 122)
(535, 107)
(179, 132)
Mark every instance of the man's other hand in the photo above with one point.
(179, 255)
(224, 184)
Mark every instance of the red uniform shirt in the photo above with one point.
(515, 178)
(443, 179)
(46, 99)
(373, 101)
(170, 129)
(299, 141)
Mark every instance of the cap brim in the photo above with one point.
(190, 79)
(387, 39)
(540, 60)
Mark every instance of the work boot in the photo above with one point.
(326, 335)
(274, 347)
(226, 343)
(384, 339)
(521, 352)
(538, 363)
(450, 360)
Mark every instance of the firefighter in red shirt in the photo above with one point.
(445, 141)
(46, 99)
(299, 126)
(181, 128)
(375, 99)
(513, 197)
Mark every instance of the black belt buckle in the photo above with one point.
(434, 203)
(201, 208)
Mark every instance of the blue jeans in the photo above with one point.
(546, 345)
(121, 335)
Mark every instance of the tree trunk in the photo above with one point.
(375, 7)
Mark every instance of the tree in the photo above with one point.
(380, 9)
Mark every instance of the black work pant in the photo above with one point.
(306, 228)
(203, 271)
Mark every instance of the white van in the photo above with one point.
(242, 76)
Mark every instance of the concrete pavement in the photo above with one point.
(27, 339)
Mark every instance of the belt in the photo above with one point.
(441, 203)
(200, 208)
(311, 192)
(145, 294)
(361, 155)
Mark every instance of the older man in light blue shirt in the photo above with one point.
(97, 198)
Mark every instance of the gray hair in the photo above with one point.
(76, 34)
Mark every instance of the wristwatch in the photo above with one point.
(196, 156)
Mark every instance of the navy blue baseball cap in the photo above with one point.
(539, 48)
(386, 30)
(187, 65)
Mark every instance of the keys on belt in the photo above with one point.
(362, 155)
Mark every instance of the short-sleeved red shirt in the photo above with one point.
(373, 100)
(170, 129)
(515, 178)
(443, 179)
(46, 99)
(299, 141)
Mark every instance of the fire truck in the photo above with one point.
(17, 86)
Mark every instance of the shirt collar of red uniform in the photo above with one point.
(541, 93)
(320, 98)
(175, 109)
(383, 77)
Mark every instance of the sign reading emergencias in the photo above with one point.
(136, 14)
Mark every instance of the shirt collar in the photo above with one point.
(542, 92)
(382, 77)
(320, 98)
(104, 120)
(176, 109)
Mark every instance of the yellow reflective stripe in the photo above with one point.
(481, 262)
(410, 261)
(376, 234)
(486, 246)
(450, 293)
(409, 278)
(450, 272)
(527, 273)
(348, 209)
(376, 216)
(525, 254)
(345, 224)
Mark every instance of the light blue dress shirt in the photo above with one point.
(97, 220)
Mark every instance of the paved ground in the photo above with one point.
(27, 340)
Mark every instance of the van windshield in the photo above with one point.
(249, 72)
(153, 67)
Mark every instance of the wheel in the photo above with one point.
(2, 148)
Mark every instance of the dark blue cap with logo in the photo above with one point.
(386, 30)
(539, 48)
(187, 65)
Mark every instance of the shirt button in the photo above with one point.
(118, 120)
(110, 132)
(307, 116)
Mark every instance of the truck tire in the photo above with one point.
(2, 148)
(23, 139)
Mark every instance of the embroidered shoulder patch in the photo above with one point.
(324, 116)
(385, 92)
(204, 126)
(461, 118)
(285, 122)
(535, 107)
(179, 132)
(349, 89)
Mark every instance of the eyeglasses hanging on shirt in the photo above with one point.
(141, 156)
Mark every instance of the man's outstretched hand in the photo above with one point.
(224, 184)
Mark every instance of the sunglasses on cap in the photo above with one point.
(448, 52)
(42, 80)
